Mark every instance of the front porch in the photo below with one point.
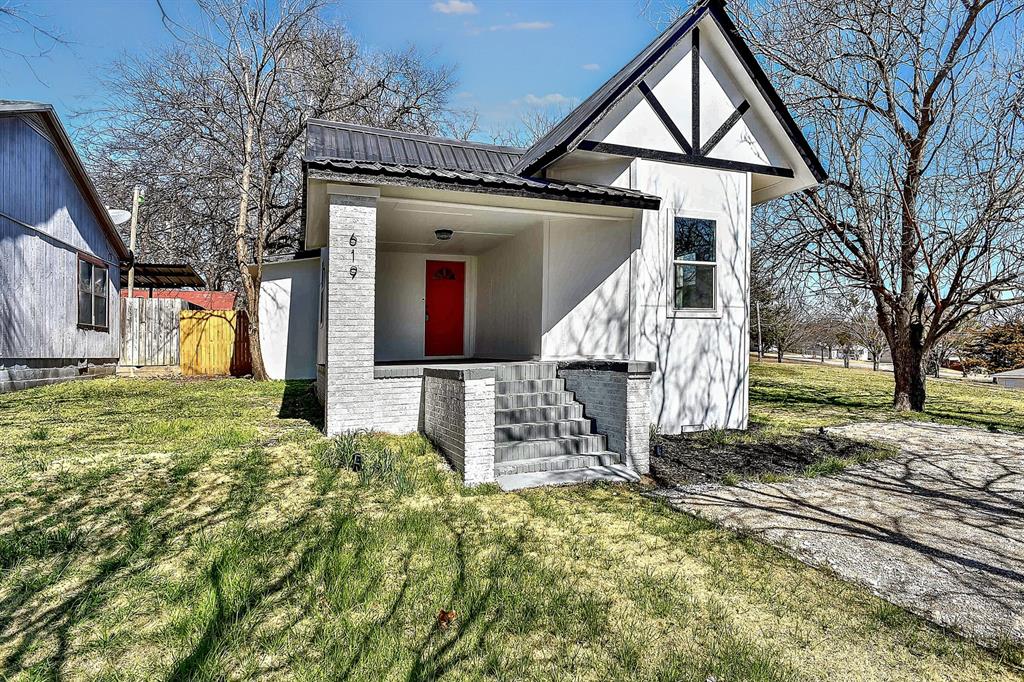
(498, 326)
(524, 424)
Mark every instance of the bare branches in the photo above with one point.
(214, 126)
(916, 105)
(16, 18)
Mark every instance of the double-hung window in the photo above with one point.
(694, 267)
(92, 293)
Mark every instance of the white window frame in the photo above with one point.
(716, 310)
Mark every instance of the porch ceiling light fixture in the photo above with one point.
(443, 234)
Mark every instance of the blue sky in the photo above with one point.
(509, 54)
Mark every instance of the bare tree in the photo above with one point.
(214, 127)
(19, 18)
(863, 325)
(533, 123)
(917, 108)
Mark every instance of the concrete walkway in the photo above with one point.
(938, 530)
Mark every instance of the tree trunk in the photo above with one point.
(778, 353)
(874, 362)
(250, 282)
(908, 369)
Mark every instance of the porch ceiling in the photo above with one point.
(405, 226)
(408, 225)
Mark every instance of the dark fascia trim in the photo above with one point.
(565, 145)
(767, 90)
(685, 159)
(398, 181)
(620, 366)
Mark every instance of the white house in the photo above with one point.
(289, 308)
(535, 311)
(61, 258)
(1013, 378)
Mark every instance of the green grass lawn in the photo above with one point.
(205, 530)
(791, 397)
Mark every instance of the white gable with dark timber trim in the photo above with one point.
(738, 127)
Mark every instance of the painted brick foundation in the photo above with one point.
(458, 416)
(617, 396)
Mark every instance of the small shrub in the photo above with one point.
(39, 433)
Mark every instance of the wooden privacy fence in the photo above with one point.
(149, 331)
(215, 342)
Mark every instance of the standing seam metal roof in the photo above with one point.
(350, 142)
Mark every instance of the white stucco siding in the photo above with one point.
(700, 380)
(586, 295)
(289, 314)
(509, 295)
(400, 301)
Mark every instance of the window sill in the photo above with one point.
(94, 328)
(695, 314)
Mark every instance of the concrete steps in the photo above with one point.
(541, 433)
(612, 473)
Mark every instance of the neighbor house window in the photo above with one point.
(92, 293)
(693, 264)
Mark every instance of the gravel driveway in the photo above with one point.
(938, 530)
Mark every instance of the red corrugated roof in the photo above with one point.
(208, 300)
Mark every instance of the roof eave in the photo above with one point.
(716, 10)
(322, 171)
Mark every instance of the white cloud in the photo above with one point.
(522, 26)
(590, 67)
(550, 99)
(455, 7)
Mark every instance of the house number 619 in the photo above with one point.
(352, 242)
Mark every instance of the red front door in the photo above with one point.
(445, 307)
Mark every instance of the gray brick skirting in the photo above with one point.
(617, 396)
(16, 375)
(458, 416)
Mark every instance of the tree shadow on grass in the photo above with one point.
(299, 401)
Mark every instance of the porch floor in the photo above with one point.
(390, 369)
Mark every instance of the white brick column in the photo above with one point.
(350, 399)
(479, 427)
(638, 418)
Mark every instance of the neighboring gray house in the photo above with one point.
(536, 311)
(60, 257)
(1013, 378)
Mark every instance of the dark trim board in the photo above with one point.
(685, 159)
(665, 119)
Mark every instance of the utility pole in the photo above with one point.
(760, 346)
(131, 241)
